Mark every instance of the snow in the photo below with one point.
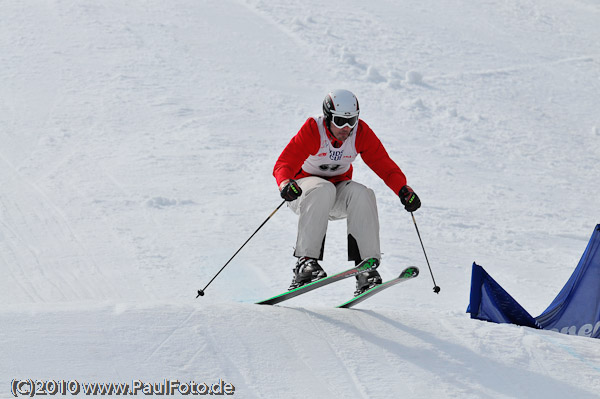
(137, 145)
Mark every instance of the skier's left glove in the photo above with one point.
(409, 199)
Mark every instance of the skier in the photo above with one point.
(314, 174)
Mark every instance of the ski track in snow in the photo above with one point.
(136, 149)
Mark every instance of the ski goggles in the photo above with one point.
(341, 121)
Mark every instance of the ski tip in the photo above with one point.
(369, 264)
(411, 271)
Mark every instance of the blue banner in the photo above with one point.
(575, 310)
(490, 302)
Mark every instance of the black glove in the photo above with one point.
(409, 199)
(291, 191)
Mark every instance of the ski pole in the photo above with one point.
(436, 288)
(201, 292)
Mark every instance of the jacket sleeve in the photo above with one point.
(376, 157)
(305, 143)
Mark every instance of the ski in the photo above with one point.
(407, 274)
(365, 266)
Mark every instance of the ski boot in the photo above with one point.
(306, 271)
(365, 281)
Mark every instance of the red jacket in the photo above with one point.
(308, 141)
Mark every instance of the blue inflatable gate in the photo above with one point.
(575, 310)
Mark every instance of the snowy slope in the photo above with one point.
(137, 142)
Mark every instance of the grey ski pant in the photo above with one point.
(322, 201)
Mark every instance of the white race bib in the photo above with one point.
(331, 161)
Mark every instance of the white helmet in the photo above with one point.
(341, 108)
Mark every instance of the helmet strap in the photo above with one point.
(335, 142)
